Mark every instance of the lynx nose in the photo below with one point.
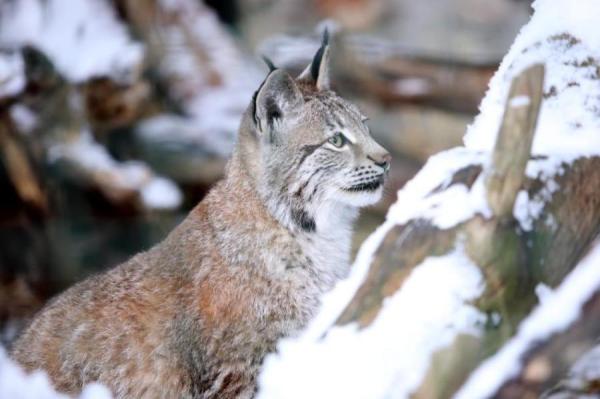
(382, 160)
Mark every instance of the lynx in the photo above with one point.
(194, 316)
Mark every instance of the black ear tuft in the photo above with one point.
(314, 67)
(316, 64)
(318, 71)
(269, 63)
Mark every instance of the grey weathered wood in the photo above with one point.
(549, 361)
(513, 143)
(512, 261)
(19, 166)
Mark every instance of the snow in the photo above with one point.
(205, 69)
(16, 384)
(448, 205)
(568, 123)
(556, 312)
(543, 292)
(526, 210)
(25, 119)
(207, 73)
(12, 74)
(444, 208)
(161, 193)
(519, 101)
(412, 86)
(156, 192)
(95, 391)
(83, 39)
(387, 358)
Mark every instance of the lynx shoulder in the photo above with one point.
(194, 316)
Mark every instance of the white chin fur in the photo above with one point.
(361, 198)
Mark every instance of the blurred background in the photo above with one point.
(117, 116)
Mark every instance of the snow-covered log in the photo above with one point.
(61, 126)
(556, 342)
(479, 259)
(196, 60)
(167, 73)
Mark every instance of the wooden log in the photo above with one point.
(66, 142)
(111, 105)
(552, 361)
(169, 32)
(402, 79)
(20, 167)
(512, 261)
(430, 239)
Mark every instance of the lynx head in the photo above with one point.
(312, 148)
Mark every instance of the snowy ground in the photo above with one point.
(16, 384)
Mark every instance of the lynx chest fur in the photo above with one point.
(195, 316)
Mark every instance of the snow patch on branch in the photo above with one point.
(94, 160)
(527, 210)
(431, 195)
(390, 357)
(206, 72)
(83, 39)
(12, 74)
(565, 39)
(520, 101)
(559, 309)
(161, 193)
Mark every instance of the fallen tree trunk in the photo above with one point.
(548, 367)
(492, 235)
(512, 260)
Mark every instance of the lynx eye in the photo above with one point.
(338, 140)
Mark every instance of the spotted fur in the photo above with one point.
(195, 316)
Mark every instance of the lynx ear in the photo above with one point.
(275, 99)
(318, 70)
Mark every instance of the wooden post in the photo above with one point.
(513, 144)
